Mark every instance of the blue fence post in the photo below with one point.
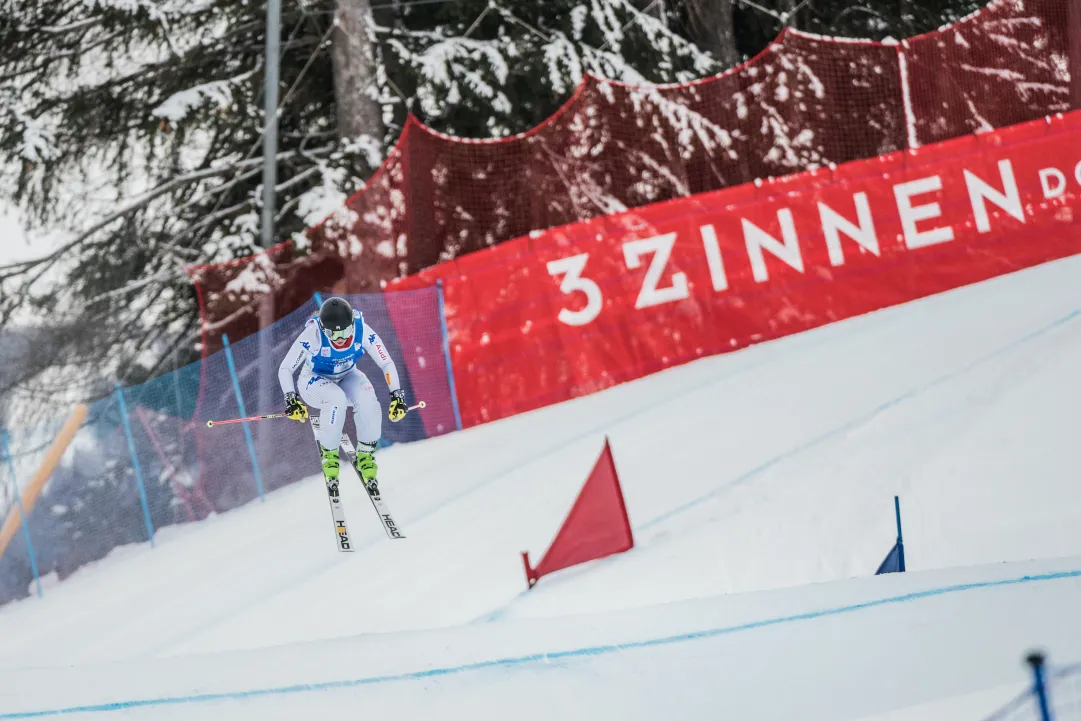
(900, 539)
(1039, 684)
(243, 412)
(22, 512)
(135, 464)
(446, 356)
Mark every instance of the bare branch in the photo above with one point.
(61, 29)
(286, 207)
(134, 285)
(213, 218)
(64, 54)
(297, 179)
(143, 200)
(781, 18)
(183, 338)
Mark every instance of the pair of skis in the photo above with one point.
(337, 512)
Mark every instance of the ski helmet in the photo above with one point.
(336, 319)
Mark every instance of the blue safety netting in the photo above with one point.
(145, 459)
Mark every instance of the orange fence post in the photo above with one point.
(33, 489)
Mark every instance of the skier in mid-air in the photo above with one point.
(328, 349)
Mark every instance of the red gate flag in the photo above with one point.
(597, 525)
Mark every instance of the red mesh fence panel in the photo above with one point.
(369, 235)
(802, 103)
(240, 297)
(572, 310)
(805, 102)
(1008, 63)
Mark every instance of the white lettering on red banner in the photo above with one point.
(1060, 182)
(632, 294)
(758, 240)
(717, 276)
(571, 270)
(979, 192)
(912, 205)
(661, 248)
(912, 214)
(833, 224)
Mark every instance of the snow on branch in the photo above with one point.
(323, 199)
(61, 29)
(660, 36)
(450, 63)
(155, 9)
(177, 106)
(37, 137)
(561, 58)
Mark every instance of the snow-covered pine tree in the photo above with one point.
(131, 128)
(759, 21)
(490, 68)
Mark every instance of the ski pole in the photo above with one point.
(211, 424)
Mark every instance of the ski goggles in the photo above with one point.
(343, 334)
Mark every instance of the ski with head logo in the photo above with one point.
(337, 511)
(378, 503)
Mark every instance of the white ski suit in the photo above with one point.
(331, 382)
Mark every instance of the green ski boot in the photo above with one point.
(329, 457)
(366, 469)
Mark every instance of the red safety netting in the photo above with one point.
(240, 297)
(1013, 61)
(572, 310)
(805, 102)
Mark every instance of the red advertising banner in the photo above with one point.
(575, 309)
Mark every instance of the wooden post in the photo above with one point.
(41, 476)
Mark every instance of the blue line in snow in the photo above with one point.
(538, 657)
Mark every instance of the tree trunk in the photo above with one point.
(1073, 43)
(711, 29)
(353, 60)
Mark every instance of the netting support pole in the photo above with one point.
(446, 356)
(1073, 54)
(243, 412)
(22, 512)
(135, 464)
(911, 134)
(270, 118)
(900, 540)
(1039, 684)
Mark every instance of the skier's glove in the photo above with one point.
(295, 408)
(398, 408)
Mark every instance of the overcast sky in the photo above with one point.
(13, 243)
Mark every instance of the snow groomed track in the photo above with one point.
(840, 647)
(759, 485)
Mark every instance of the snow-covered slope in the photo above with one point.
(843, 650)
(770, 468)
